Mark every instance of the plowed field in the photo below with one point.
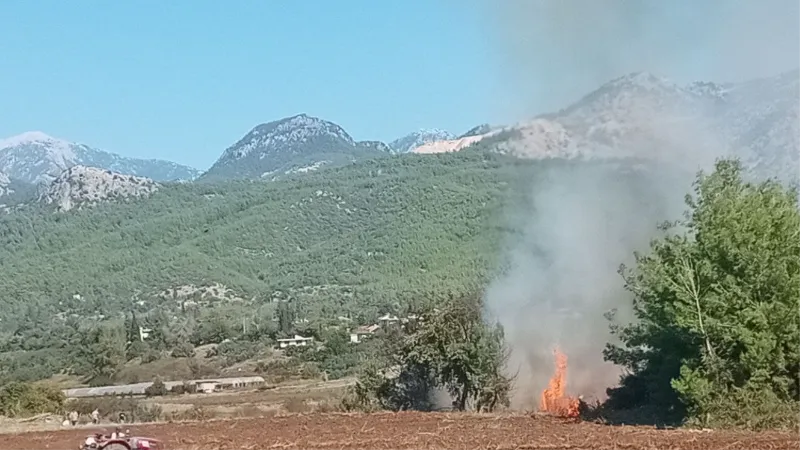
(414, 431)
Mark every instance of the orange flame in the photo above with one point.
(554, 399)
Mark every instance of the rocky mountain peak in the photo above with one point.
(297, 129)
(81, 186)
(30, 137)
(294, 144)
(418, 138)
(375, 145)
(34, 150)
(36, 157)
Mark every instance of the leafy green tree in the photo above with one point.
(213, 329)
(286, 318)
(452, 348)
(105, 349)
(133, 328)
(717, 334)
(466, 355)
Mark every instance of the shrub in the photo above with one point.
(24, 399)
(183, 350)
(185, 388)
(147, 413)
(156, 389)
(237, 351)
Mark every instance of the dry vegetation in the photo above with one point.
(412, 430)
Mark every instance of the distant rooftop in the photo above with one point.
(139, 388)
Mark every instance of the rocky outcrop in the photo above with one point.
(81, 186)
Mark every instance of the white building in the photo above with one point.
(140, 388)
(207, 387)
(296, 341)
(387, 320)
(360, 333)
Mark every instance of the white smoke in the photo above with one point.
(580, 225)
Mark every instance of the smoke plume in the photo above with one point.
(550, 52)
(582, 223)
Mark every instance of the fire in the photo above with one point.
(554, 399)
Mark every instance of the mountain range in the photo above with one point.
(359, 240)
(34, 157)
(639, 115)
(646, 116)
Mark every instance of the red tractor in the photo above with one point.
(120, 441)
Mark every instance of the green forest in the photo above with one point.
(715, 300)
(387, 235)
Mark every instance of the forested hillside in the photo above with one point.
(377, 236)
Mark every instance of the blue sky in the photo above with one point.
(183, 80)
(164, 79)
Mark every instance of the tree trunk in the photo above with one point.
(461, 403)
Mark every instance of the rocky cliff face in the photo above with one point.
(5, 185)
(81, 186)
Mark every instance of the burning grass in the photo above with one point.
(554, 398)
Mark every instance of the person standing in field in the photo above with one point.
(73, 418)
(95, 416)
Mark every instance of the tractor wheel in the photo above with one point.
(116, 446)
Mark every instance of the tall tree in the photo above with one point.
(716, 303)
(451, 348)
(104, 347)
(286, 318)
(133, 328)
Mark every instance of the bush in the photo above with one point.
(24, 399)
(183, 350)
(235, 352)
(147, 413)
(195, 413)
(157, 389)
(185, 388)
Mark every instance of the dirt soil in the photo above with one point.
(414, 431)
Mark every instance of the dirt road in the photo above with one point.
(414, 431)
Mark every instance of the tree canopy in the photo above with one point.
(717, 335)
(452, 348)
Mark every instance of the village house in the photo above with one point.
(360, 333)
(296, 341)
(388, 320)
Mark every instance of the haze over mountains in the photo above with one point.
(638, 115)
